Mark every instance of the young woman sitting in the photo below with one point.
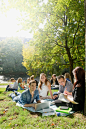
(44, 87)
(21, 84)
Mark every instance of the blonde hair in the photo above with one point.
(19, 80)
(67, 75)
(28, 79)
(40, 82)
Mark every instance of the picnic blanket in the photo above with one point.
(46, 112)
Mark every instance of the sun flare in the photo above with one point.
(10, 25)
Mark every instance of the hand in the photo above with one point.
(55, 96)
(67, 93)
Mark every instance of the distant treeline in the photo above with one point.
(11, 56)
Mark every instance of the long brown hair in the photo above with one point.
(40, 82)
(80, 76)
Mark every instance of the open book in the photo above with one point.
(66, 98)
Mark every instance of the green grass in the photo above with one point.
(13, 117)
(4, 84)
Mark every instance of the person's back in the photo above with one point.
(79, 89)
(15, 86)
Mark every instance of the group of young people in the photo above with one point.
(77, 90)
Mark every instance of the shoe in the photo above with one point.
(9, 95)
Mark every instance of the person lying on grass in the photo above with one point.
(27, 97)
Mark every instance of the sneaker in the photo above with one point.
(9, 95)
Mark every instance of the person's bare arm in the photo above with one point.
(30, 105)
(49, 87)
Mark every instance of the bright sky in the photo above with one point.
(10, 26)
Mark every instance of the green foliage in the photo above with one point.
(60, 42)
(11, 55)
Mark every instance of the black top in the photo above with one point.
(79, 96)
(56, 82)
(36, 83)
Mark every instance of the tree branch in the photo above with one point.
(76, 31)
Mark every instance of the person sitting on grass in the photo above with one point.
(21, 84)
(13, 86)
(44, 87)
(63, 84)
(53, 80)
(78, 93)
(27, 97)
(68, 77)
(28, 80)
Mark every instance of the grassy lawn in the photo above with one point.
(13, 117)
(4, 84)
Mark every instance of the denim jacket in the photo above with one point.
(25, 97)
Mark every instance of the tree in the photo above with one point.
(11, 55)
(85, 55)
(62, 36)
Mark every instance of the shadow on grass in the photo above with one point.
(35, 113)
(1, 92)
(71, 116)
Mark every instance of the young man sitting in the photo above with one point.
(63, 85)
(27, 97)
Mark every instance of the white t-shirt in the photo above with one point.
(43, 91)
(11, 85)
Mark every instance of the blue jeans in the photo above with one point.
(10, 89)
(55, 93)
(15, 96)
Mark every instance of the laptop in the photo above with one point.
(40, 106)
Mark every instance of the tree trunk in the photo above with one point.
(85, 55)
(71, 69)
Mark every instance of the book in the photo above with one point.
(66, 98)
(62, 97)
(63, 110)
